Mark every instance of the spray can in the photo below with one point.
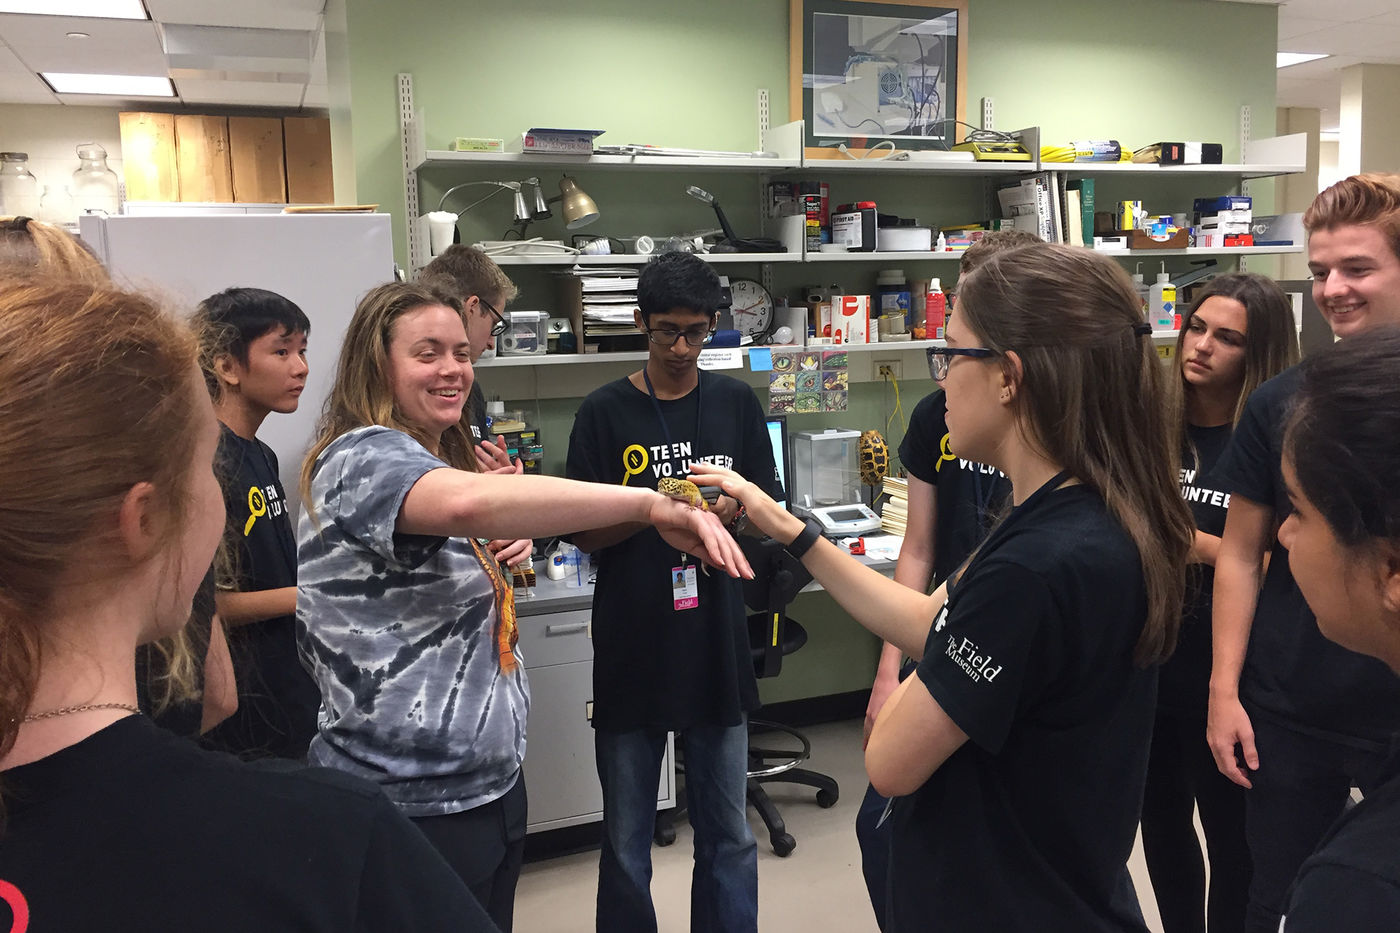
(935, 311)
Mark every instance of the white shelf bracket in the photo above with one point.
(408, 134)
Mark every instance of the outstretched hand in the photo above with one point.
(493, 458)
(700, 534)
(763, 512)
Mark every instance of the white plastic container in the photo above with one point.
(1161, 302)
(527, 334)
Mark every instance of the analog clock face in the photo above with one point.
(752, 306)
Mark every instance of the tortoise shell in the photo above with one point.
(874, 458)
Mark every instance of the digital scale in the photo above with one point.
(994, 151)
(826, 482)
(840, 521)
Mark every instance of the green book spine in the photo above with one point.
(1086, 204)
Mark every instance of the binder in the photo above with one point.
(1085, 187)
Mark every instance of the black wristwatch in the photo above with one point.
(804, 541)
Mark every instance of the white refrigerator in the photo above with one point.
(323, 262)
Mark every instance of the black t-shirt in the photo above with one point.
(1352, 881)
(1292, 673)
(656, 666)
(476, 409)
(969, 494)
(134, 829)
(1184, 682)
(1029, 825)
(277, 699)
(180, 716)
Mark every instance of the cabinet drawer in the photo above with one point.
(555, 638)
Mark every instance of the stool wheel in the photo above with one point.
(826, 799)
(783, 844)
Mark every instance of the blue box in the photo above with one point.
(1230, 202)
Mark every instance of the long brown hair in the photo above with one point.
(1270, 343)
(1092, 399)
(96, 395)
(361, 395)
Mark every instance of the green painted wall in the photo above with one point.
(687, 75)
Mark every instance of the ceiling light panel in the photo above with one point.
(97, 9)
(1297, 58)
(112, 85)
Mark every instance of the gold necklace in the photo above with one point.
(65, 710)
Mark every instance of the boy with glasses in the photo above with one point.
(670, 643)
(475, 280)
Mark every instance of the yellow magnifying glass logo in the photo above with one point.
(945, 454)
(634, 461)
(257, 508)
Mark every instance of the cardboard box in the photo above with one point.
(255, 148)
(149, 161)
(850, 319)
(556, 141)
(203, 155)
(307, 141)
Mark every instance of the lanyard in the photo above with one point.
(660, 416)
(1016, 515)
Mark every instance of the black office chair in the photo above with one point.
(778, 577)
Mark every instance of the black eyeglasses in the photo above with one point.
(940, 357)
(499, 327)
(667, 336)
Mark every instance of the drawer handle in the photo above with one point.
(573, 628)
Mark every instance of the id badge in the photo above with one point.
(685, 588)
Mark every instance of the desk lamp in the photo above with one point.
(731, 242)
(578, 208)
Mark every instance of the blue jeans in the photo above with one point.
(724, 885)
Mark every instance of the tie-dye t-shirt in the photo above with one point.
(399, 631)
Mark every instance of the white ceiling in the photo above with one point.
(263, 53)
(1350, 32)
(270, 53)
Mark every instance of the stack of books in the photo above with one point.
(894, 516)
(601, 302)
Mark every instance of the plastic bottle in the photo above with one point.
(19, 190)
(94, 186)
(941, 245)
(892, 293)
(1141, 286)
(1161, 302)
(935, 311)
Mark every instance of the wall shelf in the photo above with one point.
(636, 356)
(627, 259)
(1204, 251)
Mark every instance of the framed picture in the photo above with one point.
(863, 71)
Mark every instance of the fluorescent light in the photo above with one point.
(1297, 58)
(115, 85)
(94, 9)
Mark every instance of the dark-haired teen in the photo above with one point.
(1293, 717)
(1342, 472)
(671, 657)
(253, 355)
(1238, 334)
(1018, 750)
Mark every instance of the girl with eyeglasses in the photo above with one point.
(1019, 749)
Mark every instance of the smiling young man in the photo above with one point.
(670, 644)
(1293, 717)
(253, 353)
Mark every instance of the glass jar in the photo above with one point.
(56, 206)
(94, 185)
(19, 190)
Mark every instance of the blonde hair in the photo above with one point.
(1092, 399)
(31, 247)
(96, 395)
(361, 394)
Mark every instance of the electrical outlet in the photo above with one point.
(888, 369)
